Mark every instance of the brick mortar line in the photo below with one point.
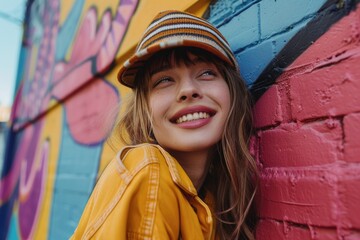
(227, 19)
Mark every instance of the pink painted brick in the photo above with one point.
(273, 230)
(299, 196)
(349, 192)
(267, 110)
(308, 145)
(324, 80)
(254, 149)
(324, 233)
(352, 235)
(330, 91)
(340, 36)
(352, 137)
(268, 229)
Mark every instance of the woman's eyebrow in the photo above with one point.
(167, 67)
(160, 69)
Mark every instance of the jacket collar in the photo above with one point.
(177, 173)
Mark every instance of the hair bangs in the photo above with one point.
(173, 57)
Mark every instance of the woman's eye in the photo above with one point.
(208, 74)
(161, 81)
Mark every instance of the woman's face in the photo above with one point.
(189, 105)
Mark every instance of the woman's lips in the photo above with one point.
(192, 114)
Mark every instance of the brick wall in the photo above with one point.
(309, 150)
(307, 115)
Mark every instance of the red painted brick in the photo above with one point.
(341, 35)
(352, 137)
(330, 91)
(324, 80)
(273, 230)
(352, 235)
(349, 194)
(294, 145)
(269, 229)
(254, 149)
(267, 110)
(299, 196)
(324, 233)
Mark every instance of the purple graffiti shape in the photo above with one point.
(32, 188)
(9, 182)
(35, 93)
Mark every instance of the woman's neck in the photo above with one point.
(195, 164)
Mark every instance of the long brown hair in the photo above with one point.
(234, 169)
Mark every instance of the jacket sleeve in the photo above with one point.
(139, 201)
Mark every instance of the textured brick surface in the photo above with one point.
(299, 196)
(277, 16)
(308, 140)
(342, 36)
(223, 10)
(325, 79)
(349, 193)
(267, 110)
(253, 60)
(308, 145)
(330, 91)
(243, 29)
(352, 137)
(274, 230)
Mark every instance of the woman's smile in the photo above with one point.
(192, 117)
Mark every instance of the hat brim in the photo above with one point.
(128, 71)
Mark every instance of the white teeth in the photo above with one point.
(192, 116)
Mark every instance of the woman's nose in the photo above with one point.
(188, 90)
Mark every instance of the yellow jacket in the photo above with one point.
(145, 194)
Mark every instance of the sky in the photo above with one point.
(11, 16)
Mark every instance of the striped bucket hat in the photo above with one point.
(171, 29)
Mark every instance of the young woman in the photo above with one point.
(187, 172)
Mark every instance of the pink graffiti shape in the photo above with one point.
(87, 112)
(118, 29)
(87, 43)
(88, 108)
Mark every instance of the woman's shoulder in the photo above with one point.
(135, 157)
(132, 160)
(131, 164)
(129, 161)
(139, 157)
